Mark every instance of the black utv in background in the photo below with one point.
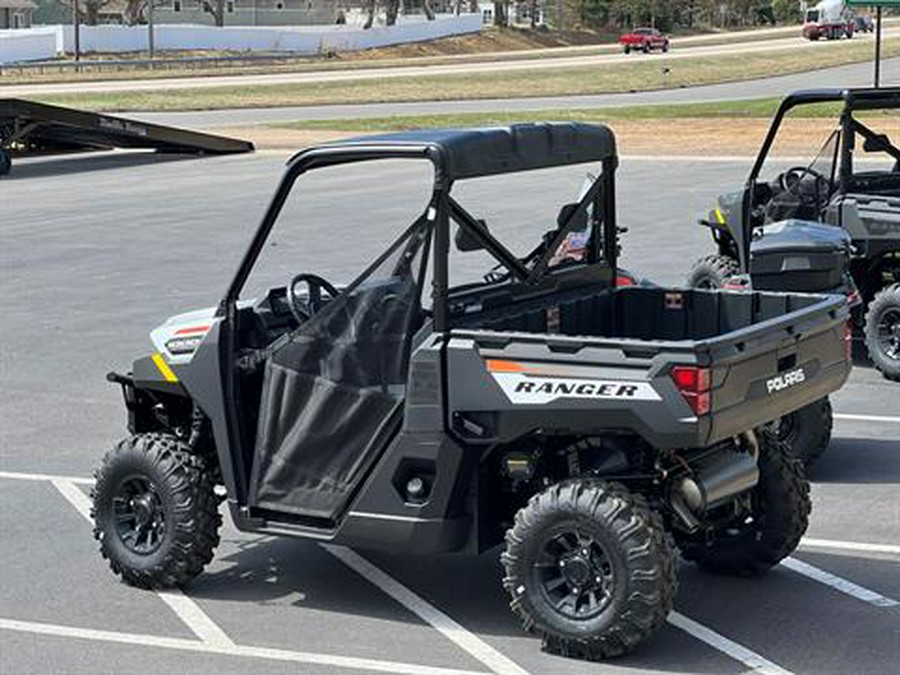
(830, 226)
(853, 183)
(587, 425)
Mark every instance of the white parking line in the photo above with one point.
(368, 665)
(756, 663)
(867, 418)
(464, 639)
(838, 583)
(185, 609)
(14, 475)
(855, 546)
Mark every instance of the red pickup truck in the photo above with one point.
(644, 39)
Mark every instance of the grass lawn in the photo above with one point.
(637, 75)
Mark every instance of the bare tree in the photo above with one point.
(88, 10)
(428, 10)
(371, 6)
(217, 9)
(391, 10)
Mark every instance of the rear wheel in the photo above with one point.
(807, 432)
(712, 271)
(646, 48)
(883, 331)
(5, 162)
(759, 538)
(590, 568)
(155, 511)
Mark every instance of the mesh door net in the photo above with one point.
(328, 390)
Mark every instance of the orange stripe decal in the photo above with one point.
(192, 329)
(495, 366)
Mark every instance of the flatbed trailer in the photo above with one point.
(27, 128)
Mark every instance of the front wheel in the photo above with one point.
(883, 331)
(759, 537)
(807, 432)
(712, 272)
(590, 568)
(5, 162)
(155, 511)
(627, 49)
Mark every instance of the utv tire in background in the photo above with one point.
(155, 511)
(807, 432)
(712, 271)
(590, 568)
(883, 331)
(781, 507)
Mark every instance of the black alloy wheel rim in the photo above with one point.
(140, 519)
(574, 575)
(785, 428)
(889, 333)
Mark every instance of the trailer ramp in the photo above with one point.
(28, 128)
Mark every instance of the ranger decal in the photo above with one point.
(529, 389)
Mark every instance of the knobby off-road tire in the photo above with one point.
(807, 432)
(781, 506)
(883, 331)
(615, 547)
(712, 271)
(155, 511)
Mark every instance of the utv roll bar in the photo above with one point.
(461, 154)
(853, 100)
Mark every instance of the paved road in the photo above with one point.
(787, 46)
(95, 251)
(854, 75)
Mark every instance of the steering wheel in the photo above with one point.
(302, 309)
(792, 179)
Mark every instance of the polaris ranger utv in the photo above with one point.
(852, 183)
(587, 424)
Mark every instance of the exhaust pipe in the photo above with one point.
(716, 480)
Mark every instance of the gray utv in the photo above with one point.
(831, 226)
(586, 424)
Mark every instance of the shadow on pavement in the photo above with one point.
(858, 461)
(102, 160)
(268, 570)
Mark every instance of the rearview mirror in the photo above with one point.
(466, 241)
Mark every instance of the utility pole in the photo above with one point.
(878, 46)
(150, 41)
(76, 25)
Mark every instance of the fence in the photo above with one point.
(48, 42)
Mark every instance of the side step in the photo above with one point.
(37, 128)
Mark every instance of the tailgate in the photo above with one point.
(778, 366)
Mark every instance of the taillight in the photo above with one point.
(622, 280)
(694, 384)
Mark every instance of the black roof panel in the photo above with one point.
(467, 153)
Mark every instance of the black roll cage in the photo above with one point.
(853, 100)
(440, 210)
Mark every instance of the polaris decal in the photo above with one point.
(786, 380)
(529, 389)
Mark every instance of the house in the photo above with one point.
(16, 13)
(249, 12)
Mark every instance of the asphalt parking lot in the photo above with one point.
(96, 251)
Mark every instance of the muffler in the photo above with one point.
(715, 480)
